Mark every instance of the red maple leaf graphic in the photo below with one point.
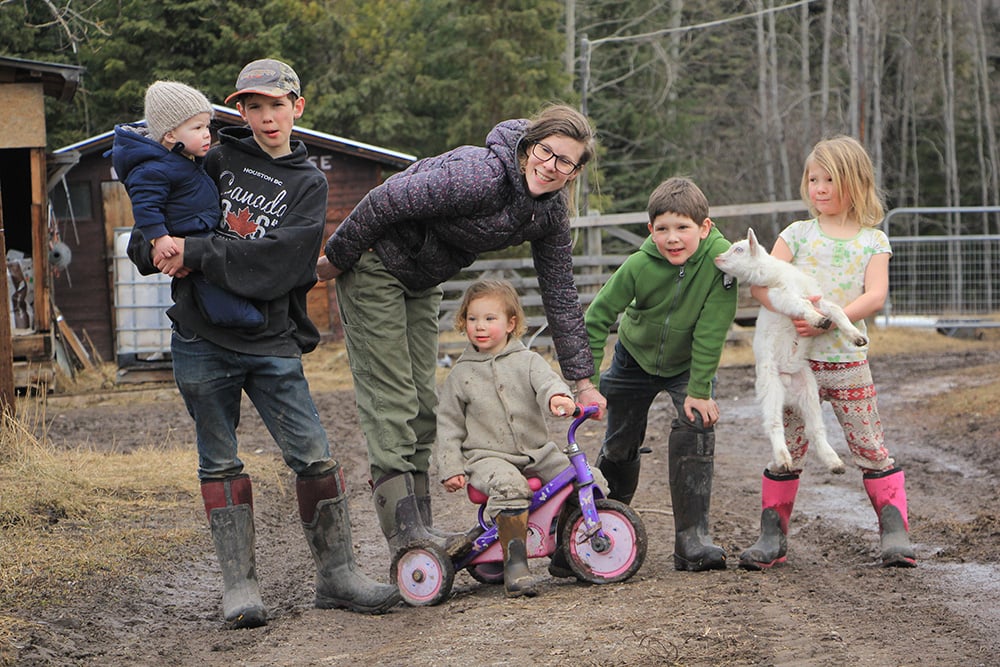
(241, 223)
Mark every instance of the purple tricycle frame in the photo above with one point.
(604, 541)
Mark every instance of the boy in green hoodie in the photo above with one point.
(678, 310)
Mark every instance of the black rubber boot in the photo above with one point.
(559, 562)
(691, 460)
(229, 506)
(623, 478)
(777, 499)
(512, 529)
(327, 526)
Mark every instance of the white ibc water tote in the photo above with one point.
(143, 328)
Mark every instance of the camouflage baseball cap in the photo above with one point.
(267, 77)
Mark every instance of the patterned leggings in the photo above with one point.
(850, 390)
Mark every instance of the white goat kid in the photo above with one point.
(782, 365)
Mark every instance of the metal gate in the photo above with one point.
(942, 280)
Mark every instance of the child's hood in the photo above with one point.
(132, 146)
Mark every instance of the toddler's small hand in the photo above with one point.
(561, 406)
(454, 483)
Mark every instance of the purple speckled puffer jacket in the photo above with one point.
(430, 221)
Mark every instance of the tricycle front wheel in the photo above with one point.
(624, 554)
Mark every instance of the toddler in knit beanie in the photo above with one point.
(169, 104)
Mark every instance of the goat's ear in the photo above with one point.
(752, 239)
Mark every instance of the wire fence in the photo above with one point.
(950, 281)
(953, 278)
(945, 275)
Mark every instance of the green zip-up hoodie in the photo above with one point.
(676, 317)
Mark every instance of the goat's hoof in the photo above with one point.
(838, 469)
(860, 341)
(781, 468)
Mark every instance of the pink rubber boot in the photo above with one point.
(887, 491)
(777, 494)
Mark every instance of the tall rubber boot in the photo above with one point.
(399, 516)
(887, 491)
(421, 489)
(512, 531)
(229, 507)
(777, 498)
(623, 478)
(327, 526)
(691, 462)
(559, 561)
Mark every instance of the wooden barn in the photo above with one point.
(94, 215)
(30, 337)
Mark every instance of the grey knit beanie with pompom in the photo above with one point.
(169, 104)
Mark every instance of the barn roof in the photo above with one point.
(58, 80)
(227, 116)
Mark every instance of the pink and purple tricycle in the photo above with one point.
(603, 541)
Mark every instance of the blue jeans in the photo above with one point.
(630, 391)
(212, 380)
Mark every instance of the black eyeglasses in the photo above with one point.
(544, 153)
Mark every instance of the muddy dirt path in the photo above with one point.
(830, 605)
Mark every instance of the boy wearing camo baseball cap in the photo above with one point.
(268, 97)
(274, 213)
(272, 78)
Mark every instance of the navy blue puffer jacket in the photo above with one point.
(170, 193)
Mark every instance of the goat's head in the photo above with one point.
(742, 258)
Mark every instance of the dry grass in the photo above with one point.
(68, 517)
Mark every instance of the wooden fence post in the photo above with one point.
(7, 356)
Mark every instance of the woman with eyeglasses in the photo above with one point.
(415, 231)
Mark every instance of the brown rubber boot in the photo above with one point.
(512, 529)
(340, 583)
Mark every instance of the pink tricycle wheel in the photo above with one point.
(424, 574)
(622, 559)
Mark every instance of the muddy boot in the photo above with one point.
(399, 515)
(623, 478)
(229, 506)
(559, 566)
(887, 491)
(455, 542)
(327, 526)
(691, 460)
(512, 529)
(777, 493)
